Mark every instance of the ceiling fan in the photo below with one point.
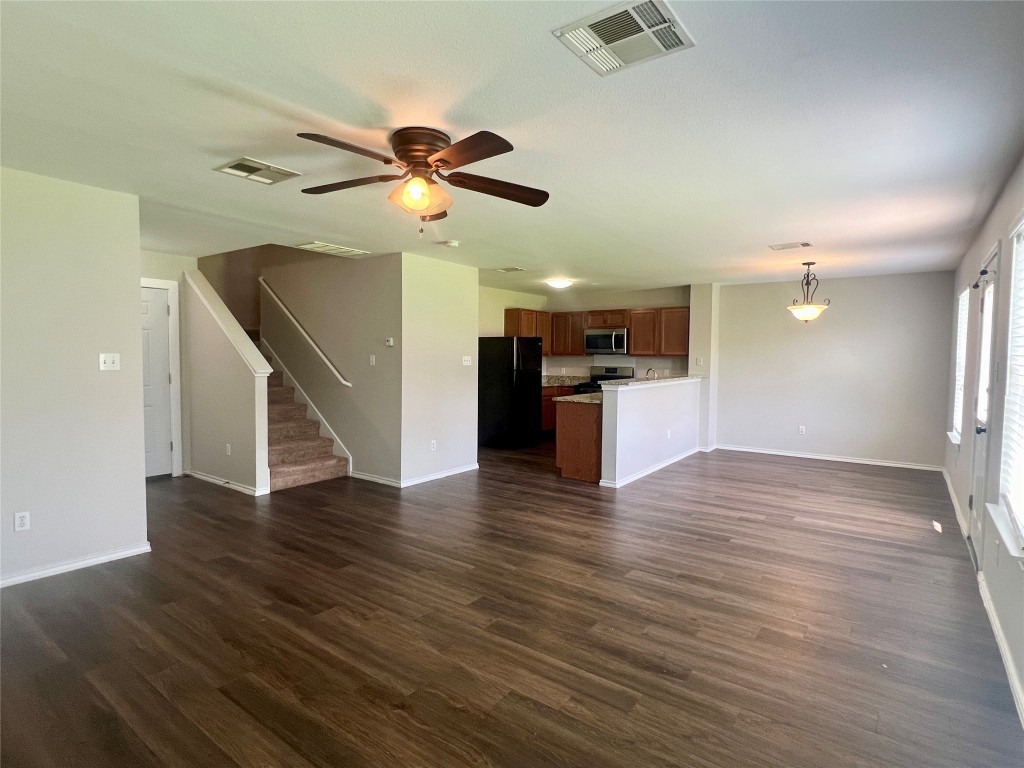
(423, 153)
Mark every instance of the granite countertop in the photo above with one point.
(659, 380)
(591, 397)
(562, 381)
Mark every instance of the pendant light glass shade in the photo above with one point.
(808, 310)
(421, 197)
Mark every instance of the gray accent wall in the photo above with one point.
(72, 450)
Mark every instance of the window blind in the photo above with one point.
(1012, 474)
(961, 359)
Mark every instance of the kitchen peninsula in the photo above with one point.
(631, 428)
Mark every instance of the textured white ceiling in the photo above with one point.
(881, 132)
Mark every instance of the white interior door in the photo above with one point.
(982, 407)
(156, 380)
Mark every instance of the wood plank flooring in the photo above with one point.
(732, 610)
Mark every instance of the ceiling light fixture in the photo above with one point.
(421, 196)
(808, 310)
(560, 282)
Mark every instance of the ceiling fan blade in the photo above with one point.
(321, 139)
(504, 189)
(479, 146)
(339, 185)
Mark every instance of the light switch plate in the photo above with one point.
(467, 360)
(110, 361)
(389, 341)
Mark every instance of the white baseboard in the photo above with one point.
(416, 480)
(708, 449)
(228, 483)
(377, 479)
(439, 475)
(74, 565)
(649, 470)
(960, 519)
(1014, 674)
(827, 457)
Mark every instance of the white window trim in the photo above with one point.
(960, 364)
(1015, 517)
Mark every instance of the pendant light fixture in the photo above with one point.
(422, 196)
(808, 310)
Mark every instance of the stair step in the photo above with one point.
(280, 394)
(289, 451)
(307, 471)
(276, 379)
(292, 429)
(285, 411)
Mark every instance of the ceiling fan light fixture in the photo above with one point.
(421, 196)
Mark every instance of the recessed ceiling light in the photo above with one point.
(559, 283)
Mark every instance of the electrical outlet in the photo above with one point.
(563, 370)
(227, 448)
(110, 361)
(700, 362)
(373, 359)
(802, 429)
(22, 521)
(433, 445)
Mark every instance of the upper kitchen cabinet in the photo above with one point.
(544, 331)
(608, 318)
(520, 322)
(673, 331)
(643, 332)
(567, 332)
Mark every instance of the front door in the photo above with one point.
(982, 409)
(156, 385)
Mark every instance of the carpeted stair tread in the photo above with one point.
(275, 379)
(280, 395)
(278, 412)
(293, 428)
(287, 451)
(307, 471)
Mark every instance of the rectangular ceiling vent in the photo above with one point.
(789, 246)
(510, 269)
(625, 35)
(333, 250)
(257, 170)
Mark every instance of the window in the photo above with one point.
(1011, 482)
(963, 305)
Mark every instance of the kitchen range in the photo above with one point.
(600, 373)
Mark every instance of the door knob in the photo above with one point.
(980, 430)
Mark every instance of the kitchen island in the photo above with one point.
(634, 426)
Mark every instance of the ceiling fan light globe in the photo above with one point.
(416, 194)
(434, 200)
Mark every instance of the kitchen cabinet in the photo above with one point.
(567, 333)
(520, 322)
(643, 332)
(544, 331)
(547, 408)
(674, 331)
(608, 318)
(578, 440)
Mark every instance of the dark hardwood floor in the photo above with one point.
(731, 610)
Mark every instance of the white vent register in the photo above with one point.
(625, 35)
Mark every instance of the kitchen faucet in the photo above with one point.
(650, 371)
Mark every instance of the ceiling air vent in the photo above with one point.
(257, 170)
(333, 250)
(510, 269)
(789, 246)
(625, 35)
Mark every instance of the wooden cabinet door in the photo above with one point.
(643, 332)
(577, 322)
(544, 331)
(674, 331)
(559, 333)
(547, 408)
(520, 322)
(607, 318)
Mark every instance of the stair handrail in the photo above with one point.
(306, 336)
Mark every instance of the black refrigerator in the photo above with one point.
(509, 391)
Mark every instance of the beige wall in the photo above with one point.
(868, 379)
(439, 397)
(166, 266)
(493, 303)
(73, 442)
(570, 300)
(349, 307)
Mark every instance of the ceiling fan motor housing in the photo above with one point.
(413, 146)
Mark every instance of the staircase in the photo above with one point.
(298, 454)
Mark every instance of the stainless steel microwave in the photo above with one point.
(605, 341)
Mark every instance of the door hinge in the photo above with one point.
(168, 310)
(970, 501)
(172, 446)
(169, 380)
